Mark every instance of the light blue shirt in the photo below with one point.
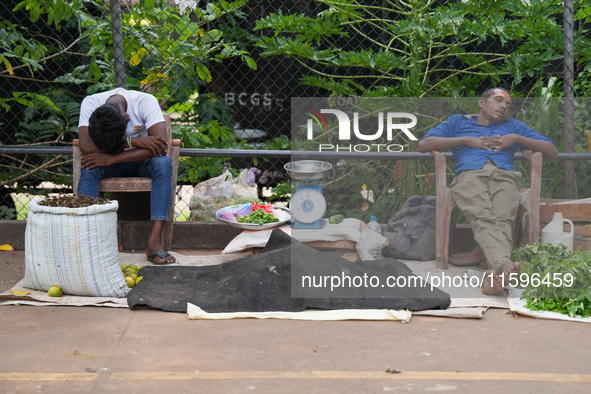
(474, 158)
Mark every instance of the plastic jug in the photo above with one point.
(555, 234)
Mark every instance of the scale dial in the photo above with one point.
(307, 205)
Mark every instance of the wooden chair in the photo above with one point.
(529, 200)
(138, 184)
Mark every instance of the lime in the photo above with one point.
(55, 292)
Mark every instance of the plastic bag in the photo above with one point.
(370, 245)
(219, 192)
(232, 212)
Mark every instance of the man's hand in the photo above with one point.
(96, 159)
(157, 145)
(498, 143)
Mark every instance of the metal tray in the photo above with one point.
(309, 170)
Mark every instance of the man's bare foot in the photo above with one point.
(512, 268)
(494, 283)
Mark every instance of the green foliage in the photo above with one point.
(259, 217)
(48, 119)
(167, 54)
(364, 188)
(208, 135)
(7, 213)
(416, 48)
(171, 53)
(557, 280)
(280, 191)
(572, 307)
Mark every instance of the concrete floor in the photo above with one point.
(101, 349)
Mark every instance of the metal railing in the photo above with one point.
(388, 165)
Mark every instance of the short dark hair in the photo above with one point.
(106, 128)
(486, 94)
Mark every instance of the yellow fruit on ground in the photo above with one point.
(55, 292)
(138, 279)
(132, 267)
(130, 281)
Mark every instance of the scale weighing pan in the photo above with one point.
(308, 170)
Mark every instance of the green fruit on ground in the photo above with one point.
(132, 267)
(130, 281)
(138, 279)
(55, 292)
(335, 219)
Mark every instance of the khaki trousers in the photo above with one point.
(489, 198)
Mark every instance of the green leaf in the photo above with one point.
(203, 72)
(95, 71)
(211, 36)
(137, 57)
(7, 64)
(250, 62)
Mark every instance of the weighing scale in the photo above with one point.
(308, 204)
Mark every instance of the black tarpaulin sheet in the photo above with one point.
(263, 282)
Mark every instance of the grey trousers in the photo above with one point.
(489, 198)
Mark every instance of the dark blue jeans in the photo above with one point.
(159, 168)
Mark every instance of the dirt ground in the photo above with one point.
(101, 349)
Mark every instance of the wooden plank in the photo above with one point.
(574, 212)
(584, 231)
(583, 245)
(126, 185)
(581, 230)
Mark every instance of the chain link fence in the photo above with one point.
(226, 72)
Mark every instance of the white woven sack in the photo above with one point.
(75, 249)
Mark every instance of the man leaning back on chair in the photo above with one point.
(122, 133)
(486, 185)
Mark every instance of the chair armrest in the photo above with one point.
(440, 170)
(535, 172)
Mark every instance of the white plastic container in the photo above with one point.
(555, 234)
